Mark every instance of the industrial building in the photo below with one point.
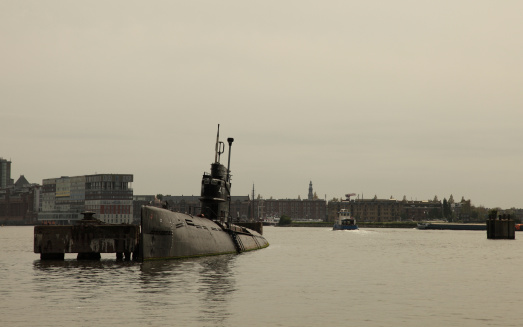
(5, 173)
(109, 196)
(19, 202)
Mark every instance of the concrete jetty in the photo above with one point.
(88, 238)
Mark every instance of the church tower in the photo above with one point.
(310, 191)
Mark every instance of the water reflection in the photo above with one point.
(217, 286)
(80, 284)
(195, 289)
(93, 271)
(182, 291)
(50, 265)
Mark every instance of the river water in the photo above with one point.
(306, 277)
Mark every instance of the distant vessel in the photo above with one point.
(270, 221)
(450, 226)
(171, 235)
(344, 221)
(422, 225)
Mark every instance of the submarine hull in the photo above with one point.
(172, 235)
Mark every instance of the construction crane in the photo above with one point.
(349, 195)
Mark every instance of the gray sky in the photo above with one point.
(387, 98)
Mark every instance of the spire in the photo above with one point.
(311, 196)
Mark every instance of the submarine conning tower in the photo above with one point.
(216, 186)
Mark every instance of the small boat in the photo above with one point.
(270, 221)
(345, 221)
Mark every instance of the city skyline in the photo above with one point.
(344, 197)
(396, 99)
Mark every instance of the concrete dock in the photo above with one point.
(89, 238)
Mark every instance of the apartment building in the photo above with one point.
(296, 209)
(19, 203)
(5, 173)
(109, 196)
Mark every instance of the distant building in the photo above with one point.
(191, 205)
(386, 210)
(374, 210)
(184, 204)
(109, 196)
(5, 173)
(422, 210)
(518, 215)
(138, 202)
(241, 208)
(296, 209)
(19, 203)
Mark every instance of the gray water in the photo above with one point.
(307, 277)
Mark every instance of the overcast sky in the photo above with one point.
(388, 98)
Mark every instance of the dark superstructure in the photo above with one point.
(170, 235)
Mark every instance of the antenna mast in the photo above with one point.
(217, 147)
(228, 178)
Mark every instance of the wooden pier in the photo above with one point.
(89, 238)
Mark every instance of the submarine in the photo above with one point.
(166, 234)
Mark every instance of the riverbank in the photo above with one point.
(394, 224)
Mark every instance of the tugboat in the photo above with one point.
(345, 221)
(172, 235)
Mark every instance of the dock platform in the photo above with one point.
(89, 238)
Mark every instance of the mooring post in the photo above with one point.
(500, 227)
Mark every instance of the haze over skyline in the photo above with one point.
(402, 98)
